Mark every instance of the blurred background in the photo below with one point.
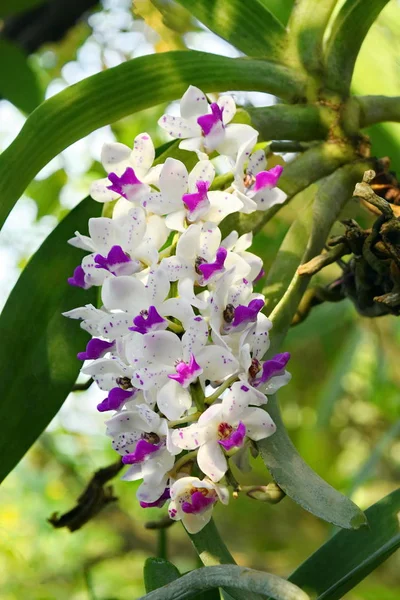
(342, 408)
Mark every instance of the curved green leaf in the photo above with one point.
(38, 353)
(284, 289)
(349, 556)
(18, 82)
(117, 92)
(159, 572)
(249, 26)
(11, 7)
(348, 33)
(281, 9)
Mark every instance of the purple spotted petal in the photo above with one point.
(186, 373)
(198, 200)
(153, 321)
(268, 179)
(95, 349)
(236, 438)
(158, 503)
(272, 367)
(120, 185)
(198, 503)
(207, 122)
(143, 450)
(115, 262)
(78, 278)
(247, 314)
(210, 269)
(115, 399)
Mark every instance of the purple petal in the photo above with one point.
(143, 450)
(120, 184)
(259, 276)
(207, 122)
(235, 439)
(197, 200)
(115, 259)
(210, 269)
(272, 367)
(186, 373)
(95, 349)
(115, 399)
(158, 503)
(247, 314)
(268, 179)
(198, 503)
(153, 321)
(78, 278)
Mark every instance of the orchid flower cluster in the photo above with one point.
(178, 342)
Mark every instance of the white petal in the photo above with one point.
(157, 287)
(229, 108)
(133, 473)
(235, 135)
(82, 241)
(217, 363)
(222, 204)
(194, 523)
(175, 221)
(275, 383)
(115, 325)
(212, 461)
(175, 269)
(186, 291)
(203, 171)
(188, 244)
(93, 275)
(257, 162)
(100, 193)
(173, 400)
(194, 144)
(235, 401)
(114, 157)
(124, 293)
(156, 231)
(173, 182)
(143, 152)
(146, 378)
(267, 198)
(101, 230)
(178, 308)
(132, 229)
(195, 337)
(259, 424)
(187, 438)
(150, 492)
(163, 347)
(177, 127)
(193, 103)
(210, 240)
(230, 241)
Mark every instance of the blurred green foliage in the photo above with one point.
(342, 410)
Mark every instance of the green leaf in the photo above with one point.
(349, 556)
(158, 572)
(281, 9)
(347, 35)
(12, 7)
(18, 82)
(117, 92)
(46, 193)
(284, 289)
(249, 26)
(38, 356)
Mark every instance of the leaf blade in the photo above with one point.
(158, 572)
(18, 82)
(41, 344)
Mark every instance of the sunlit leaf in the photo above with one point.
(18, 82)
(38, 353)
(350, 556)
(158, 572)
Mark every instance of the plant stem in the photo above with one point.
(210, 399)
(162, 543)
(181, 462)
(378, 109)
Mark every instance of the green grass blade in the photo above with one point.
(117, 92)
(349, 556)
(39, 345)
(249, 26)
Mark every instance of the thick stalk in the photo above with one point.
(243, 579)
(378, 109)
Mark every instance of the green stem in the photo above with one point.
(292, 122)
(162, 551)
(378, 109)
(210, 399)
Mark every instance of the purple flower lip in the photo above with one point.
(235, 439)
(267, 179)
(199, 503)
(207, 122)
(244, 315)
(198, 200)
(271, 368)
(95, 349)
(151, 322)
(115, 262)
(210, 269)
(78, 278)
(143, 450)
(186, 373)
(121, 185)
(259, 276)
(115, 399)
(158, 503)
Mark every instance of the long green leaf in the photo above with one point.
(39, 345)
(284, 289)
(281, 9)
(158, 572)
(249, 25)
(349, 556)
(117, 92)
(348, 33)
(18, 82)
(11, 7)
